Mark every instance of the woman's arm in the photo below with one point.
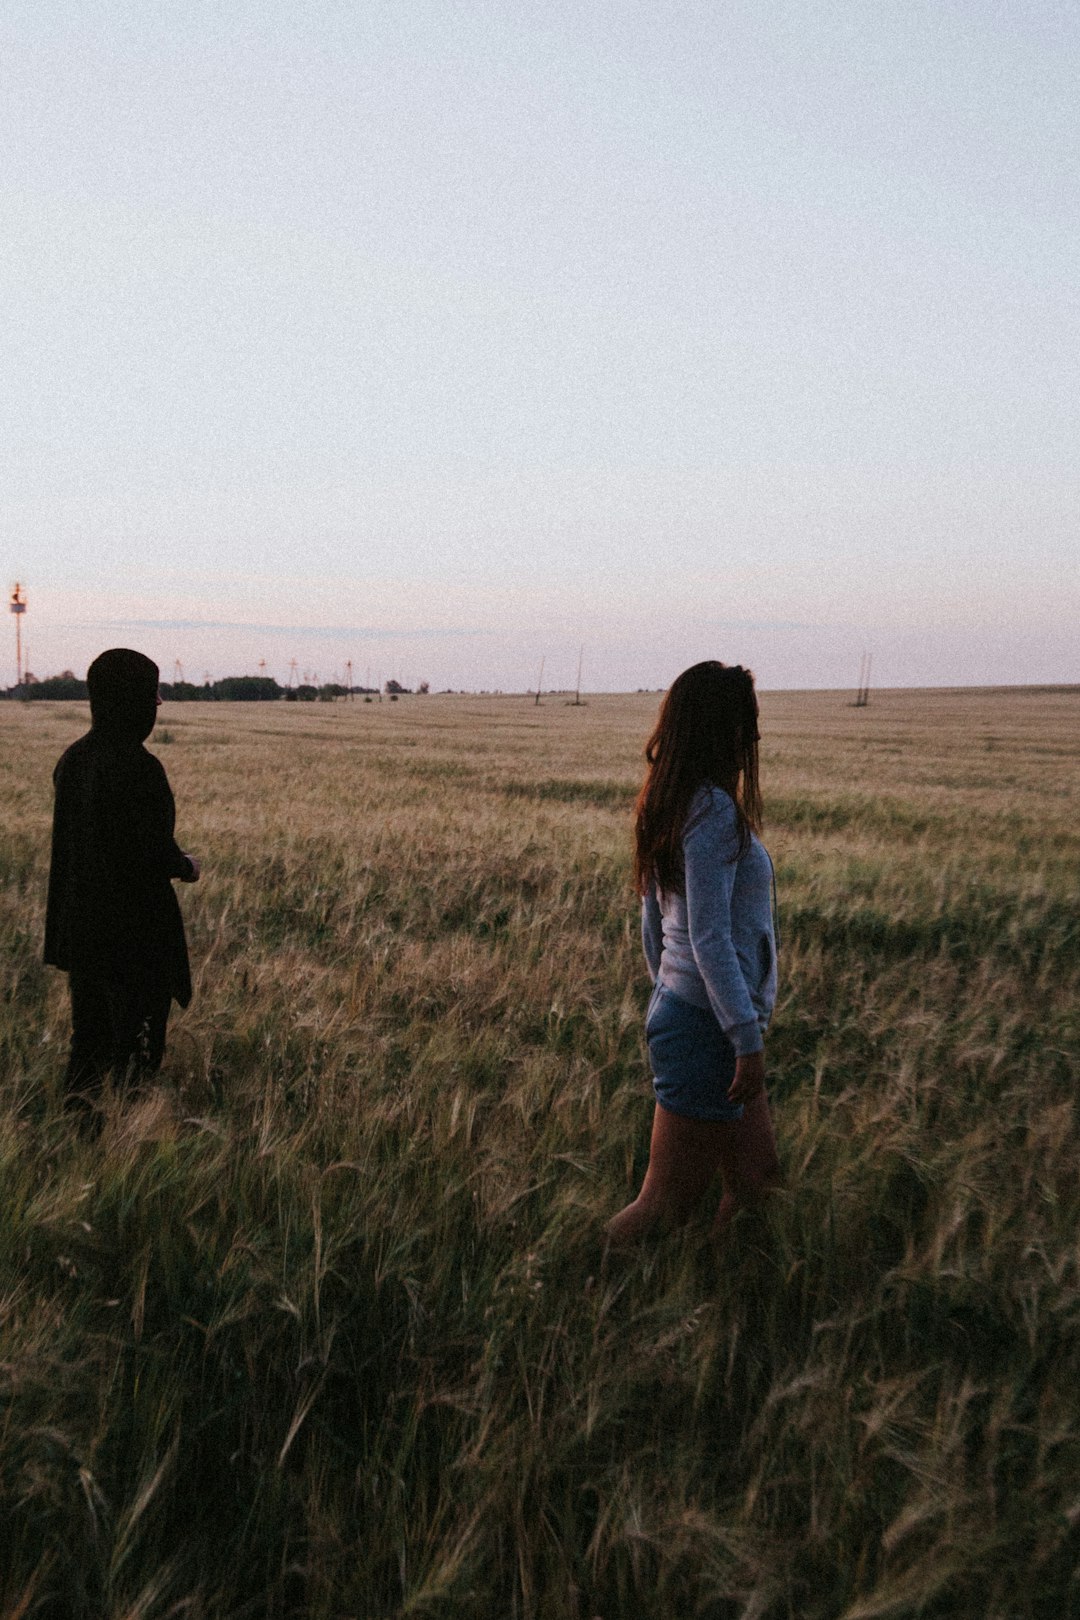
(652, 932)
(710, 846)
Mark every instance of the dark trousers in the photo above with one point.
(117, 1028)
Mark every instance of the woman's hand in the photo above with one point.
(749, 1079)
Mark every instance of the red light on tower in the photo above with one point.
(17, 605)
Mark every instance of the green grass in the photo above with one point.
(322, 1324)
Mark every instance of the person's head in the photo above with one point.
(123, 687)
(706, 732)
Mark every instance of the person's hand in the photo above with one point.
(749, 1079)
(195, 870)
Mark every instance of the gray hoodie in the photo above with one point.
(714, 944)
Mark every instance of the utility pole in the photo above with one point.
(577, 694)
(863, 696)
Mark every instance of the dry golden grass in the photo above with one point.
(321, 1325)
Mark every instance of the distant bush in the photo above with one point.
(247, 689)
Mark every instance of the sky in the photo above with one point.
(446, 338)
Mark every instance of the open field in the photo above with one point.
(321, 1326)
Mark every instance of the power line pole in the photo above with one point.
(863, 696)
(577, 694)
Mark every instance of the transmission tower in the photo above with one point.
(17, 606)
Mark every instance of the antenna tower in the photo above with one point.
(539, 679)
(292, 671)
(348, 678)
(178, 671)
(17, 605)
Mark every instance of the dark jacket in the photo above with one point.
(111, 909)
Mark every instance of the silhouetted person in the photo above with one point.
(113, 921)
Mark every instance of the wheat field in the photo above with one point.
(322, 1325)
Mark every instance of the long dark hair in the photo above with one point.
(706, 733)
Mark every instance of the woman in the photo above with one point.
(706, 883)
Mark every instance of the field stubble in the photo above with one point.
(321, 1325)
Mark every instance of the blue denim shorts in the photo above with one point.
(693, 1062)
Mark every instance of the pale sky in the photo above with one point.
(444, 337)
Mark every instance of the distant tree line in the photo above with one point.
(231, 689)
(56, 687)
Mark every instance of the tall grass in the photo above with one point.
(322, 1325)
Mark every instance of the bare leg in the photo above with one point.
(748, 1162)
(684, 1156)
